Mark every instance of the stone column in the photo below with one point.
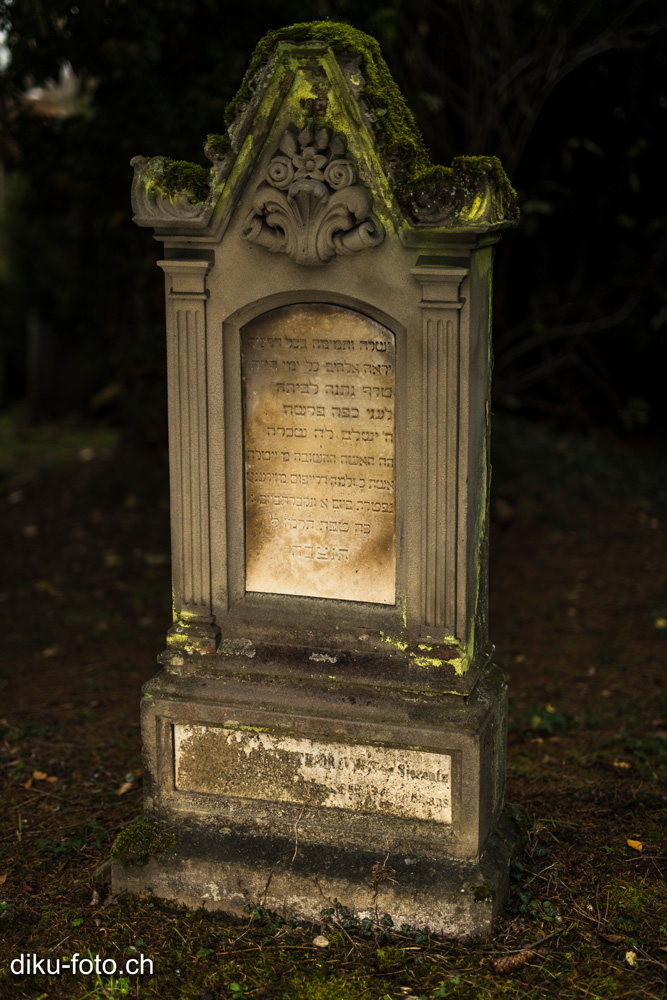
(445, 487)
(186, 295)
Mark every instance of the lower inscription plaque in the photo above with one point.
(218, 760)
(319, 408)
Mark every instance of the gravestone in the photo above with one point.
(327, 723)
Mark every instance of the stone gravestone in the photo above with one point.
(327, 724)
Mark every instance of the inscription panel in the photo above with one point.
(319, 408)
(217, 760)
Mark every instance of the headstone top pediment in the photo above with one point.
(322, 81)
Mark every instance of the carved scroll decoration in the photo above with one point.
(309, 206)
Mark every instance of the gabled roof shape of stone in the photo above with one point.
(355, 96)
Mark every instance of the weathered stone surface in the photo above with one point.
(319, 401)
(224, 869)
(226, 761)
(473, 193)
(265, 754)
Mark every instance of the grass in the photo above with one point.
(26, 449)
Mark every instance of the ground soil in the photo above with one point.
(578, 611)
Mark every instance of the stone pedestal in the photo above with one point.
(327, 723)
(281, 784)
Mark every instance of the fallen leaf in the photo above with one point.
(125, 787)
(613, 938)
(622, 764)
(3, 879)
(636, 845)
(631, 958)
(39, 775)
(52, 779)
(27, 784)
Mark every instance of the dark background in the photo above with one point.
(572, 96)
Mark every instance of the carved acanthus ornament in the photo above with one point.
(310, 206)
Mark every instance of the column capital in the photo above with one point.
(440, 284)
(188, 277)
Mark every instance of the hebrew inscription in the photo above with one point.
(216, 760)
(319, 406)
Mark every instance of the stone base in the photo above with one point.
(226, 870)
(288, 788)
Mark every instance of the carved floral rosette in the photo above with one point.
(309, 206)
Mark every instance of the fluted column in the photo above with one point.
(444, 487)
(186, 296)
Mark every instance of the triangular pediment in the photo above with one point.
(319, 128)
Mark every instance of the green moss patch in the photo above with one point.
(217, 146)
(473, 190)
(483, 892)
(142, 839)
(400, 137)
(182, 177)
(400, 141)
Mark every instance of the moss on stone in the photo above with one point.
(483, 892)
(140, 840)
(217, 146)
(401, 144)
(473, 191)
(397, 131)
(183, 177)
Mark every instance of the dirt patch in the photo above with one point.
(579, 618)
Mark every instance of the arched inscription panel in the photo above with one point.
(319, 424)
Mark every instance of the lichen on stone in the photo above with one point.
(472, 189)
(473, 192)
(395, 124)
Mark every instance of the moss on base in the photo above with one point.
(142, 839)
